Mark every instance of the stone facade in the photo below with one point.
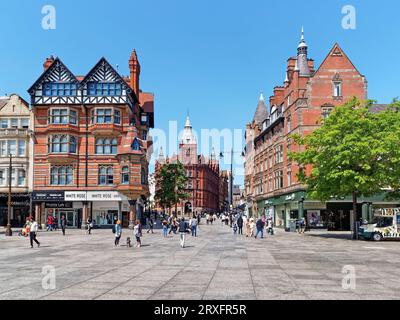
(16, 140)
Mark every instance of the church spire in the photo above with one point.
(302, 59)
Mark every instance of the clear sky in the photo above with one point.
(209, 57)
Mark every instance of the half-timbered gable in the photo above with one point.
(57, 85)
(103, 85)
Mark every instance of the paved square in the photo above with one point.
(216, 265)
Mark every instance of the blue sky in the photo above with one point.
(209, 57)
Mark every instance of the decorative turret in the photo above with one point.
(302, 60)
(261, 112)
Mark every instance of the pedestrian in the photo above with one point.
(165, 228)
(260, 228)
(235, 228)
(208, 218)
(33, 232)
(270, 227)
(151, 226)
(49, 223)
(137, 232)
(252, 226)
(239, 223)
(193, 226)
(183, 229)
(55, 223)
(89, 223)
(117, 230)
(198, 219)
(63, 224)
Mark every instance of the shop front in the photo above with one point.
(20, 209)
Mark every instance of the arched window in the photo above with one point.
(143, 176)
(72, 144)
(99, 146)
(136, 145)
(125, 175)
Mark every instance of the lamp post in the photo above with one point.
(8, 230)
(231, 177)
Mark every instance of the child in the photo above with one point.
(235, 228)
(137, 232)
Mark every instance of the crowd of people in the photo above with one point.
(239, 223)
(249, 227)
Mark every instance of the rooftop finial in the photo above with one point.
(262, 96)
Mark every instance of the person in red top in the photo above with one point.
(50, 221)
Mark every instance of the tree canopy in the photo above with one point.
(354, 150)
(171, 184)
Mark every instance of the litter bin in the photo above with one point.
(292, 225)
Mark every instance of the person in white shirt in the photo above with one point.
(33, 232)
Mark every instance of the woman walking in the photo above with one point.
(33, 232)
(137, 232)
(165, 228)
(118, 232)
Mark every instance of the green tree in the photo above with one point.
(171, 185)
(352, 153)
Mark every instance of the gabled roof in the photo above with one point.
(337, 50)
(104, 71)
(56, 72)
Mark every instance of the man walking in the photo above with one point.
(33, 232)
(193, 226)
(183, 227)
(260, 228)
(63, 224)
(239, 223)
(151, 226)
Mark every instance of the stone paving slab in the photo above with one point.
(216, 265)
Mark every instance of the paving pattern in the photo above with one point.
(215, 265)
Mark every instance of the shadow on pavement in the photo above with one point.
(331, 235)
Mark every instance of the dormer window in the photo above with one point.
(136, 145)
(104, 89)
(55, 89)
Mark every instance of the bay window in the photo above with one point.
(106, 116)
(106, 146)
(63, 116)
(61, 176)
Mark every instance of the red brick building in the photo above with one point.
(297, 107)
(91, 145)
(204, 183)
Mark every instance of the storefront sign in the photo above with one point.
(75, 196)
(290, 197)
(48, 196)
(58, 205)
(20, 203)
(105, 196)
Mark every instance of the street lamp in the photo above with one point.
(8, 230)
(231, 178)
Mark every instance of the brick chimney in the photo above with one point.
(49, 61)
(134, 67)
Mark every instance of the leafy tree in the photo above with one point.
(171, 185)
(355, 152)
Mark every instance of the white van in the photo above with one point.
(385, 225)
